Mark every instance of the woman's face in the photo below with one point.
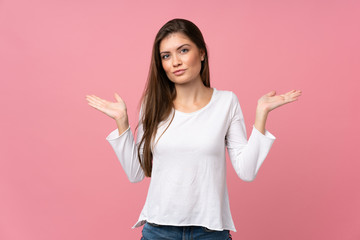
(181, 58)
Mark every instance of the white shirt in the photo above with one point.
(188, 182)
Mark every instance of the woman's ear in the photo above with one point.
(202, 54)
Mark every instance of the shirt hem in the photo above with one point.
(141, 222)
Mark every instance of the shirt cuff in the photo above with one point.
(267, 133)
(115, 134)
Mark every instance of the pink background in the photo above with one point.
(59, 177)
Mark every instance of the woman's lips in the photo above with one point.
(179, 72)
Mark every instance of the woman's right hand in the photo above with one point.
(116, 110)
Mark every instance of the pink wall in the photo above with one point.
(60, 179)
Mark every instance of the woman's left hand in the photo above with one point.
(270, 101)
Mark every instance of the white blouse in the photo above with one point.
(188, 183)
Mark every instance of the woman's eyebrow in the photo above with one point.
(177, 48)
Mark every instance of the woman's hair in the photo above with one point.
(157, 98)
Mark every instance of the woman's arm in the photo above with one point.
(126, 150)
(122, 139)
(248, 155)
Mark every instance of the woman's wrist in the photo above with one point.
(260, 119)
(122, 124)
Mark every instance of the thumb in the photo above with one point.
(117, 97)
(270, 94)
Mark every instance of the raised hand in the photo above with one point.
(270, 101)
(116, 110)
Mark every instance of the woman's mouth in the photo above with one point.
(179, 72)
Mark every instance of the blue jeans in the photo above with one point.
(152, 231)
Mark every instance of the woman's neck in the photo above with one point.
(190, 97)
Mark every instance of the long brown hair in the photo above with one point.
(157, 98)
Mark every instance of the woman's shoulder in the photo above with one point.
(227, 99)
(226, 95)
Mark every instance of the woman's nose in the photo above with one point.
(176, 60)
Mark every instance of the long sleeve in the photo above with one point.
(246, 156)
(126, 151)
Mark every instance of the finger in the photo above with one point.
(96, 107)
(99, 99)
(117, 97)
(93, 105)
(92, 97)
(295, 91)
(290, 92)
(296, 94)
(293, 98)
(94, 101)
(270, 94)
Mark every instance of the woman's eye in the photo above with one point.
(184, 50)
(165, 56)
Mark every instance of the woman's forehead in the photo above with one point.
(173, 41)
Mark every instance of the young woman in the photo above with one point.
(184, 127)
